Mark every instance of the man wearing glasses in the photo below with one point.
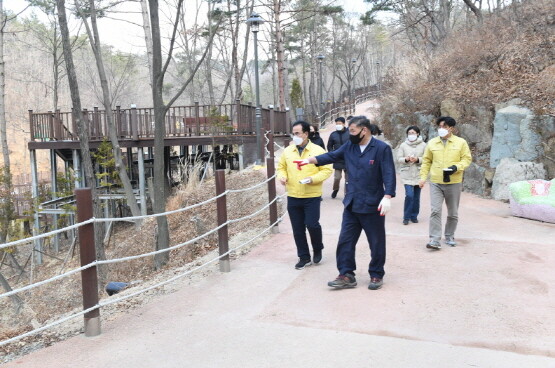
(304, 192)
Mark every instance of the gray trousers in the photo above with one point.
(337, 178)
(451, 193)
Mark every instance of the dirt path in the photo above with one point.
(488, 302)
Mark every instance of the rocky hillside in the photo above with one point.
(498, 81)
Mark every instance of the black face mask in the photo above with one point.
(356, 139)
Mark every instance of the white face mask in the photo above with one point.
(339, 127)
(442, 132)
(412, 137)
(297, 140)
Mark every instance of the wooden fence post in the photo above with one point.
(197, 117)
(89, 277)
(221, 203)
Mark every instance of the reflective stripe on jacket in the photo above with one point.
(439, 156)
(288, 169)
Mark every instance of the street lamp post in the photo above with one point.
(321, 59)
(255, 21)
(353, 60)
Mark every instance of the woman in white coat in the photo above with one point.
(409, 156)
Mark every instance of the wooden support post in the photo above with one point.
(51, 125)
(76, 169)
(239, 118)
(31, 125)
(241, 156)
(271, 147)
(35, 191)
(89, 277)
(270, 171)
(134, 124)
(221, 204)
(54, 190)
(130, 162)
(142, 180)
(197, 117)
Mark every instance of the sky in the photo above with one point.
(128, 37)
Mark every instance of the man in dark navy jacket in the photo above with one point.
(370, 187)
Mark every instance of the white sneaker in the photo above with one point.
(450, 242)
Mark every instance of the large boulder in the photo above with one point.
(424, 122)
(474, 179)
(450, 108)
(514, 136)
(510, 170)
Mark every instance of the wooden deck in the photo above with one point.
(185, 125)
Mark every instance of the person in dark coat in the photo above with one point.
(336, 140)
(370, 187)
(315, 138)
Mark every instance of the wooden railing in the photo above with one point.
(138, 123)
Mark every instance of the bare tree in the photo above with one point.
(94, 39)
(83, 131)
(159, 70)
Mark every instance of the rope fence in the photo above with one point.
(130, 218)
(125, 297)
(91, 266)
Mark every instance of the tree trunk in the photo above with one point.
(280, 54)
(148, 36)
(18, 303)
(163, 236)
(83, 133)
(3, 129)
(7, 207)
(477, 12)
(120, 166)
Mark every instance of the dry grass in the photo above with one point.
(509, 56)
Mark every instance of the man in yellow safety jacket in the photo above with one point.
(445, 159)
(304, 192)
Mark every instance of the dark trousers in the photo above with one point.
(412, 202)
(304, 214)
(374, 226)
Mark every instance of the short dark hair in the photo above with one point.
(375, 130)
(361, 121)
(341, 119)
(304, 124)
(413, 127)
(447, 120)
(349, 117)
(315, 126)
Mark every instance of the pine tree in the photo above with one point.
(296, 94)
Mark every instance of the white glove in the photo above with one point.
(385, 206)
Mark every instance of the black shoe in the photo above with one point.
(414, 220)
(317, 258)
(405, 222)
(302, 264)
(343, 282)
(375, 283)
(334, 194)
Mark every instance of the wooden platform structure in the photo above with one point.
(224, 135)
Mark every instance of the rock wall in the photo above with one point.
(510, 170)
(507, 131)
